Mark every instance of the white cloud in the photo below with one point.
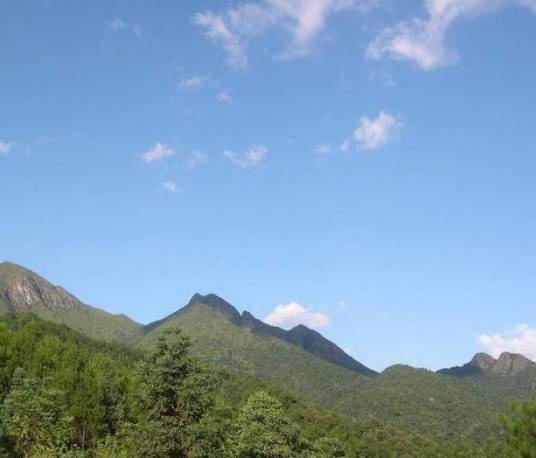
(158, 152)
(374, 133)
(304, 19)
(196, 159)
(225, 97)
(169, 186)
(194, 82)
(5, 148)
(522, 339)
(422, 41)
(323, 150)
(219, 32)
(252, 157)
(293, 314)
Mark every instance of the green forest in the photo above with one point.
(66, 395)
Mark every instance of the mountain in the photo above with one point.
(301, 336)
(22, 290)
(220, 337)
(456, 402)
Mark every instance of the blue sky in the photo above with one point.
(366, 167)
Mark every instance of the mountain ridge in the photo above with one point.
(417, 399)
(23, 290)
(301, 336)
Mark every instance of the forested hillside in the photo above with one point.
(456, 404)
(65, 395)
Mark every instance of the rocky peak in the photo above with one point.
(511, 364)
(508, 364)
(483, 361)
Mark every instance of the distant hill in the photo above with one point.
(456, 402)
(508, 364)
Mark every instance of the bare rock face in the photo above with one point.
(511, 364)
(25, 289)
(483, 361)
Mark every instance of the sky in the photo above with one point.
(364, 167)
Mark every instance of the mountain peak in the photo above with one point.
(483, 361)
(301, 336)
(218, 304)
(511, 364)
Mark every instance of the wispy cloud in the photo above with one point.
(5, 148)
(196, 159)
(158, 152)
(220, 33)
(422, 41)
(522, 339)
(345, 145)
(225, 97)
(293, 314)
(323, 150)
(376, 132)
(118, 24)
(45, 140)
(169, 186)
(252, 157)
(304, 19)
(193, 82)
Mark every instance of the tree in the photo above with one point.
(263, 431)
(172, 398)
(521, 428)
(327, 447)
(34, 417)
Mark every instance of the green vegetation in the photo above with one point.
(65, 395)
(121, 397)
(521, 428)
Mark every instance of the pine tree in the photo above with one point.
(263, 431)
(173, 397)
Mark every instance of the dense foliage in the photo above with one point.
(65, 395)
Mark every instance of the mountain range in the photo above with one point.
(458, 401)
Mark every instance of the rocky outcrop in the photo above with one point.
(508, 364)
(22, 289)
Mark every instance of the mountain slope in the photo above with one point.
(221, 342)
(301, 336)
(22, 290)
(308, 340)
